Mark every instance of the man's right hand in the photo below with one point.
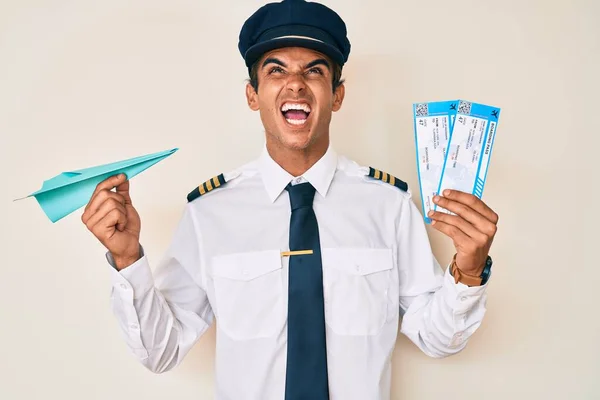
(112, 219)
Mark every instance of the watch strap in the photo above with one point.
(460, 276)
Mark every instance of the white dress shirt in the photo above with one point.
(225, 261)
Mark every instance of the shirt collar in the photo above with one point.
(276, 178)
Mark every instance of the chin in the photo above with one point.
(294, 137)
(295, 141)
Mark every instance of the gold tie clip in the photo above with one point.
(295, 253)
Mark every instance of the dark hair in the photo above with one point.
(336, 79)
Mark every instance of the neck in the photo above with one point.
(297, 161)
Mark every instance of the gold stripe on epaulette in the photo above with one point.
(201, 188)
(216, 182)
(388, 178)
(209, 186)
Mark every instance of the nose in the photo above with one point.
(296, 83)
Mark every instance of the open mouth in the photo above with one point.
(295, 113)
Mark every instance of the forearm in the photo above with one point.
(440, 323)
(156, 330)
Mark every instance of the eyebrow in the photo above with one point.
(274, 61)
(318, 61)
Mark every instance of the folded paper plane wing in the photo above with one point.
(68, 191)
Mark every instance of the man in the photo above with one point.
(306, 259)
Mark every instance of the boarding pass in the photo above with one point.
(433, 125)
(467, 151)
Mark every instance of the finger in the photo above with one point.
(109, 183)
(462, 224)
(458, 236)
(479, 221)
(107, 223)
(103, 210)
(123, 190)
(102, 197)
(473, 202)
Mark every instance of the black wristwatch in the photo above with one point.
(487, 271)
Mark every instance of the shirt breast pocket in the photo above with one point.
(358, 289)
(249, 294)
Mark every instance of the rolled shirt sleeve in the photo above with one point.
(439, 315)
(162, 315)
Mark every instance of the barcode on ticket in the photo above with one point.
(421, 110)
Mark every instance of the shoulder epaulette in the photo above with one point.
(206, 187)
(387, 178)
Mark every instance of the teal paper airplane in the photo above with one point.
(65, 193)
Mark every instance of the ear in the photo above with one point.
(252, 97)
(338, 97)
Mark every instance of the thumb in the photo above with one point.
(123, 190)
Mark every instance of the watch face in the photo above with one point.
(487, 270)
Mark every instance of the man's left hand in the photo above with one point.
(472, 229)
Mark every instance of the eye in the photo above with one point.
(315, 70)
(275, 70)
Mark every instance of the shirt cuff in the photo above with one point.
(136, 278)
(462, 298)
(111, 260)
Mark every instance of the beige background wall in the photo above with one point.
(86, 82)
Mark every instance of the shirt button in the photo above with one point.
(463, 298)
(134, 326)
(299, 180)
(123, 286)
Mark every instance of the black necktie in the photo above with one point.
(306, 375)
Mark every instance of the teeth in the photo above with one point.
(296, 121)
(295, 106)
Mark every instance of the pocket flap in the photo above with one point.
(246, 266)
(358, 261)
